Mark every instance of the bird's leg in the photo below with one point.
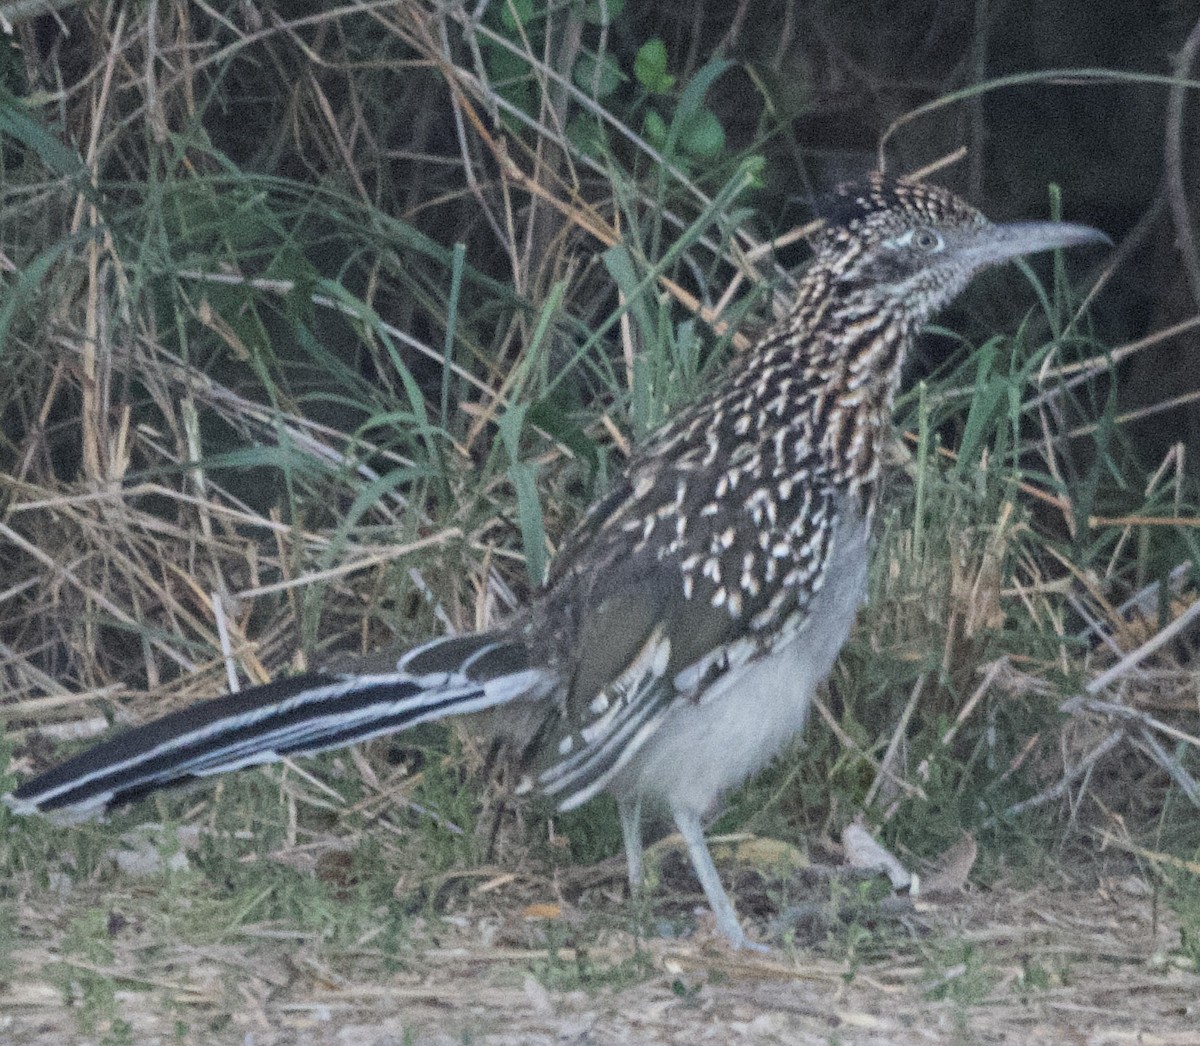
(688, 823)
(630, 812)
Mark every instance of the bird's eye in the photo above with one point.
(927, 241)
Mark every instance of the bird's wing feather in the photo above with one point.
(665, 601)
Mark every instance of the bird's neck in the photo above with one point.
(834, 365)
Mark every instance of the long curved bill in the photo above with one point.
(997, 243)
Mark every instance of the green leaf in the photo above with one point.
(504, 67)
(586, 133)
(523, 475)
(754, 165)
(650, 67)
(694, 129)
(15, 120)
(29, 279)
(691, 99)
(638, 292)
(515, 14)
(990, 394)
(550, 417)
(654, 128)
(599, 78)
(512, 78)
(701, 134)
(533, 530)
(456, 271)
(285, 456)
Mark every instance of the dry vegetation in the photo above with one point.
(319, 325)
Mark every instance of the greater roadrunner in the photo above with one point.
(687, 621)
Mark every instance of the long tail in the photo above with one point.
(297, 716)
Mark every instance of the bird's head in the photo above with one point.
(909, 248)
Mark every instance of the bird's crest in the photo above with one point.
(880, 205)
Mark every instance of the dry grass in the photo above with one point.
(1041, 965)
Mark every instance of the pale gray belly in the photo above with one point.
(748, 716)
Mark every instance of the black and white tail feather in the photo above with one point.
(299, 716)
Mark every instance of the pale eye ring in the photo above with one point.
(928, 241)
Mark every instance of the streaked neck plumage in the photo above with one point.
(830, 372)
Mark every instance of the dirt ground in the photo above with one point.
(1093, 967)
